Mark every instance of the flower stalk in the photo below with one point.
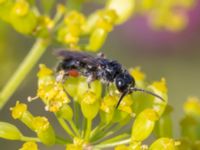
(25, 67)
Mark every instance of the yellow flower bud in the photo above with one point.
(44, 71)
(176, 22)
(21, 8)
(23, 19)
(106, 19)
(139, 76)
(29, 146)
(97, 39)
(160, 86)
(124, 9)
(192, 106)
(73, 26)
(74, 18)
(18, 110)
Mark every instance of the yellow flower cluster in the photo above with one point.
(40, 125)
(144, 113)
(51, 92)
(170, 15)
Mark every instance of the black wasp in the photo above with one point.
(97, 68)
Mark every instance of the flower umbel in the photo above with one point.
(89, 103)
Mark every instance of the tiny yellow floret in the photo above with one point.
(44, 71)
(160, 85)
(138, 74)
(192, 106)
(40, 124)
(21, 8)
(89, 97)
(18, 110)
(29, 146)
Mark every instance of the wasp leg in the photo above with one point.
(61, 77)
(89, 81)
(90, 78)
(107, 87)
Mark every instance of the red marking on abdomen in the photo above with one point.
(73, 73)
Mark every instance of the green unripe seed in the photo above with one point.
(89, 105)
(65, 112)
(9, 131)
(143, 125)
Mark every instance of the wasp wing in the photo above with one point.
(79, 56)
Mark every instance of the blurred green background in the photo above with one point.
(159, 53)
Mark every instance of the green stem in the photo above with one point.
(62, 141)
(65, 126)
(98, 128)
(83, 127)
(77, 114)
(25, 67)
(88, 129)
(74, 4)
(26, 139)
(102, 132)
(74, 128)
(116, 138)
(113, 144)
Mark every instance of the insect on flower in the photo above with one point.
(97, 68)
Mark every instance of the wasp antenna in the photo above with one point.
(148, 92)
(120, 99)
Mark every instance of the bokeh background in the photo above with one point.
(159, 53)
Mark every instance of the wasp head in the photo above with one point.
(124, 82)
